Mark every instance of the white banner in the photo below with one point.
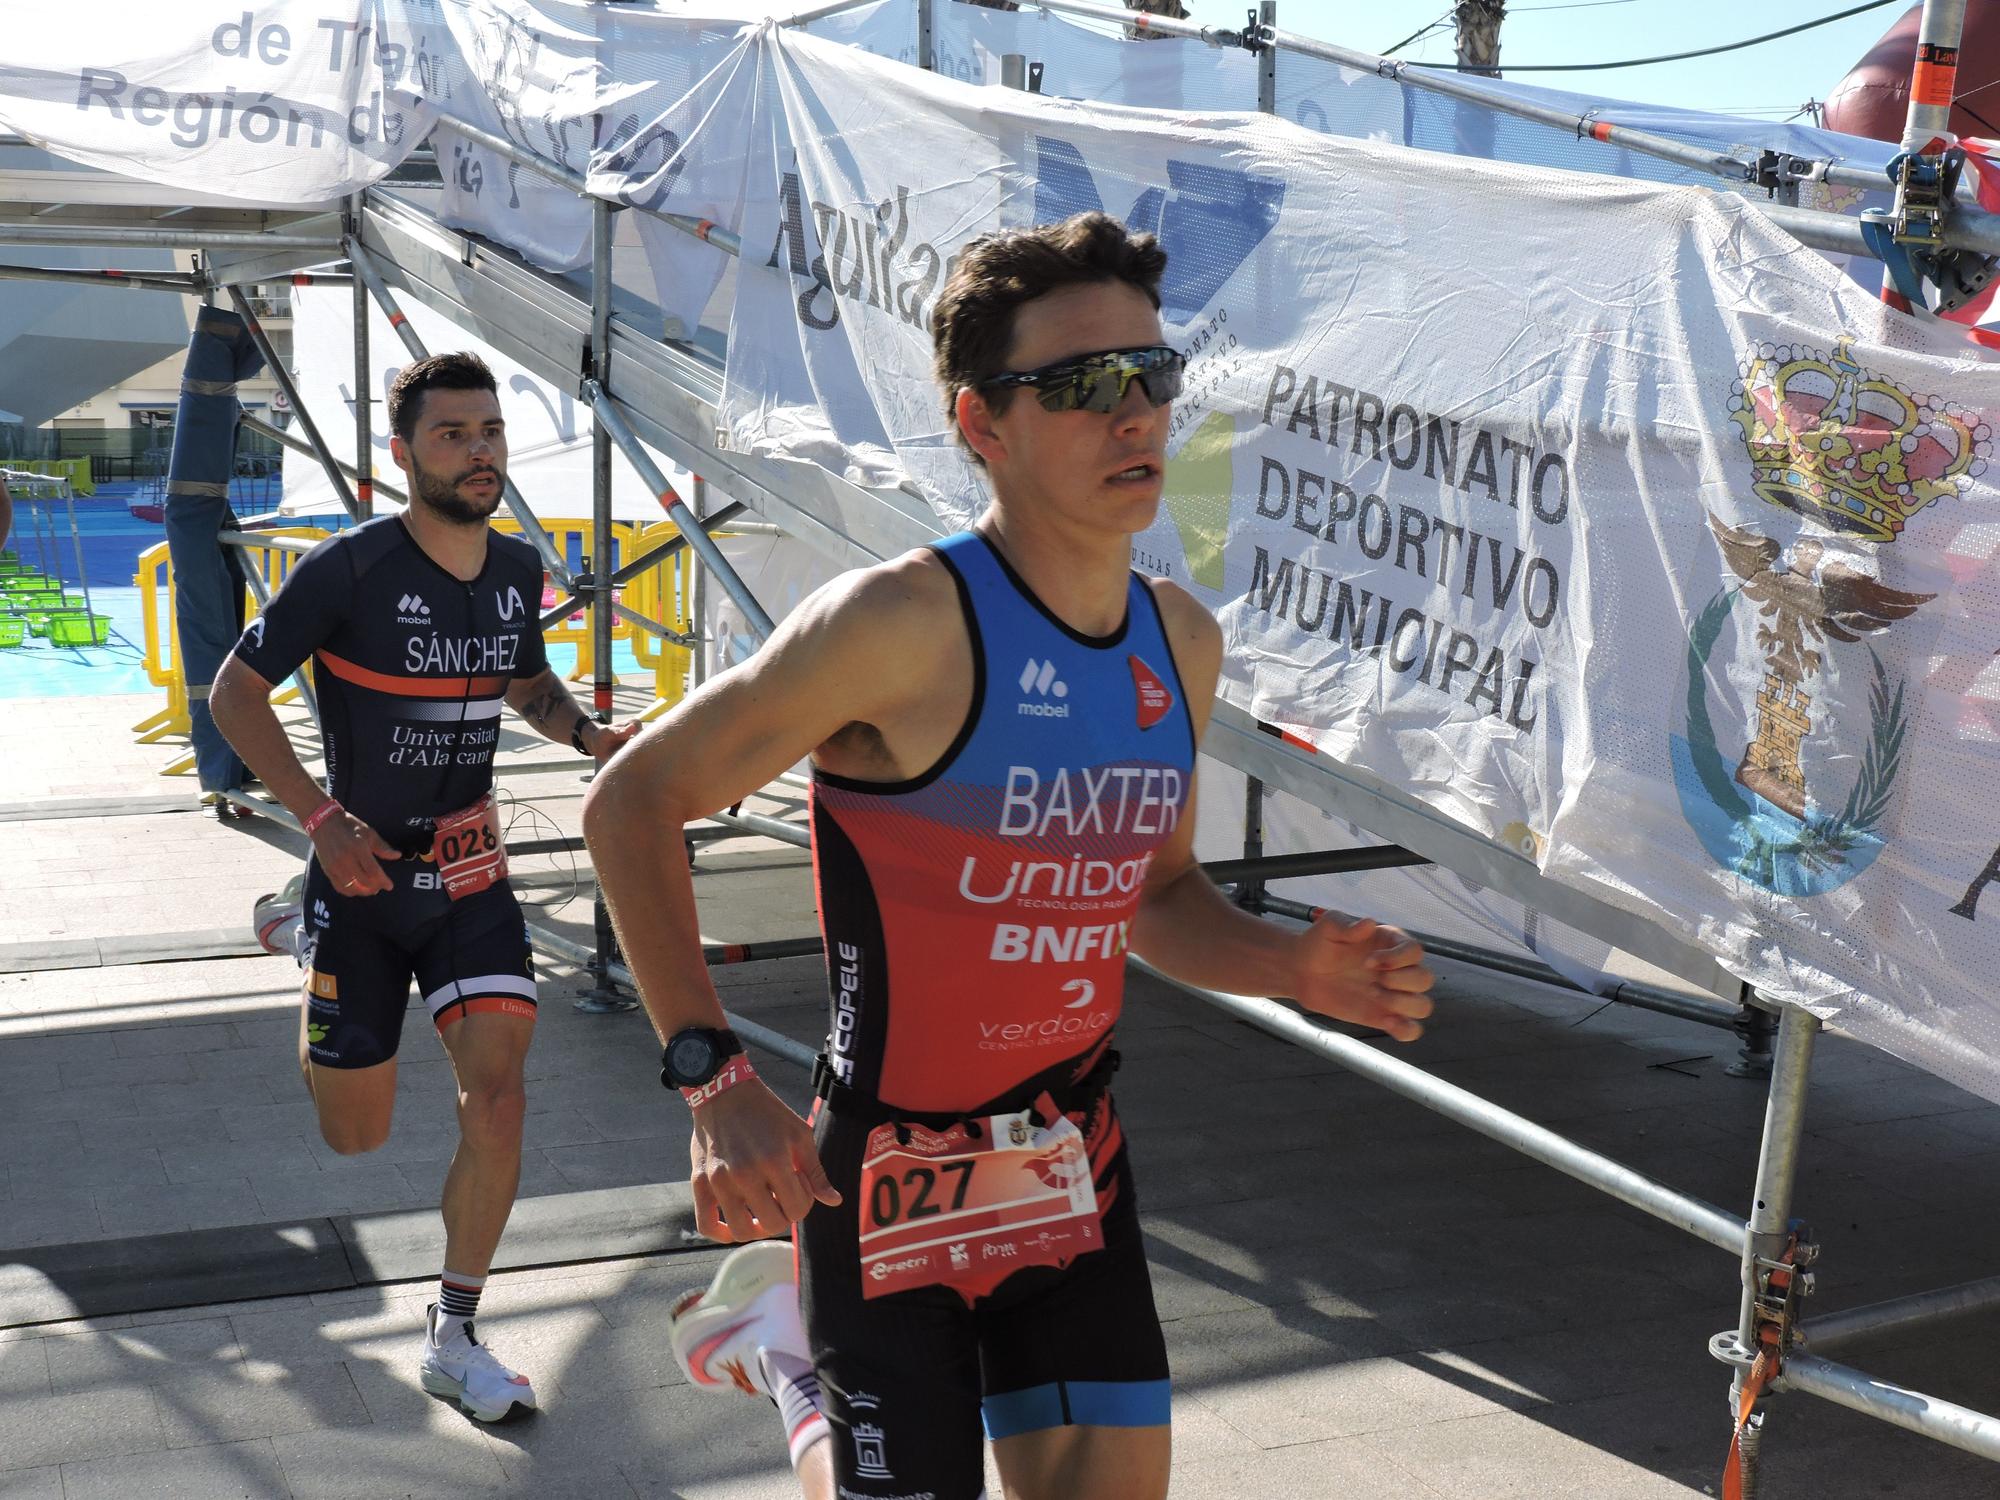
(296, 102)
(548, 429)
(1596, 515)
(1603, 519)
(512, 205)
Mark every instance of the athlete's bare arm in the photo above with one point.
(1353, 970)
(872, 676)
(545, 702)
(349, 851)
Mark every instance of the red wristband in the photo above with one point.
(736, 1070)
(310, 823)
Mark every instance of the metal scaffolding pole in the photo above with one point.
(1267, 60)
(1584, 127)
(1256, 869)
(927, 35)
(1900, 1315)
(285, 383)
(1931, 88)
(144, 281)
(821, 12)
(697, 584)
(1959, 1426)
(166, 239)
(613, 422)
(1769, 1234)
(1967, 229)
(603, 996)
(654, 556)
(1703, 1220)
(368, 274)
(776, 1042)
(364, 410)
(602, 678)
(297, 445)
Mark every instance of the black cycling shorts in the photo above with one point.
(468, 957)
(907, 1378)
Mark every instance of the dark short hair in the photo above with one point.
(972, 326)
(440, 372)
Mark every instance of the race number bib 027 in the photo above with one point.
(968, 1206)
(470, 856)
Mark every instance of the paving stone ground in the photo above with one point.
(1362, 1301)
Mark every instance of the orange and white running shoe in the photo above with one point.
(751, 1306)
(279, 918)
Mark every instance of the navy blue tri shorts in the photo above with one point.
(467, 957)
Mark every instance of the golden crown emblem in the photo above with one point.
(1848, 449)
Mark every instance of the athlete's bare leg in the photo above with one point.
(1105, 1463)
(354, 1104)
(489, 1055)
(815, 1471)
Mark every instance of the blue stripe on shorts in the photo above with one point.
(1079, 1403)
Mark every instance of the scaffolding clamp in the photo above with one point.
(1253, 37)
(1925, 183)
(1779, 173)
(1784, 1282)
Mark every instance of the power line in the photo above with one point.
(1421, 31)
(1641, 62)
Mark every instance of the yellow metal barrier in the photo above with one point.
(574, 629)
(662, 593)
(155, 582)
(160, 635)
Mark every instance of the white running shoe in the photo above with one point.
(459, 1365)
(752, 1305)
(279, 918)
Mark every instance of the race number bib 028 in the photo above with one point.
(968, 1206)
(470, 856)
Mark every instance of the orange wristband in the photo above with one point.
(736, 1070)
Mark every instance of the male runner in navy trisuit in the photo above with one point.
(419, 627)
(1002, 728)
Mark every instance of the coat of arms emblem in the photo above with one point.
(1856, 456)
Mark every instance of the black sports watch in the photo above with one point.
(695, 1054)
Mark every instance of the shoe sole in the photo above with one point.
(746, 1275)
(440, 1384)
(264, 935)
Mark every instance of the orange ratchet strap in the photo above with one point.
(1763, 1370)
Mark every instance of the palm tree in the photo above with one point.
(1478, 35)
(1173, 9)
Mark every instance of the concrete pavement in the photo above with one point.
(1362, 1301)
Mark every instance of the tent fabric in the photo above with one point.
(1592, 513)
(1601, 518)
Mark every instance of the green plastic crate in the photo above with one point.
(13, 632)
(79, 629)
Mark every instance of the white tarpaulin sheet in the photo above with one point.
(1603, 519)
(295, 102)
(548, 429)
(1599, 517)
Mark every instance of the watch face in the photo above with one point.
(692, 1058)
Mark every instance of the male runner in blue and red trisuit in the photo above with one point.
(1002, 729)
